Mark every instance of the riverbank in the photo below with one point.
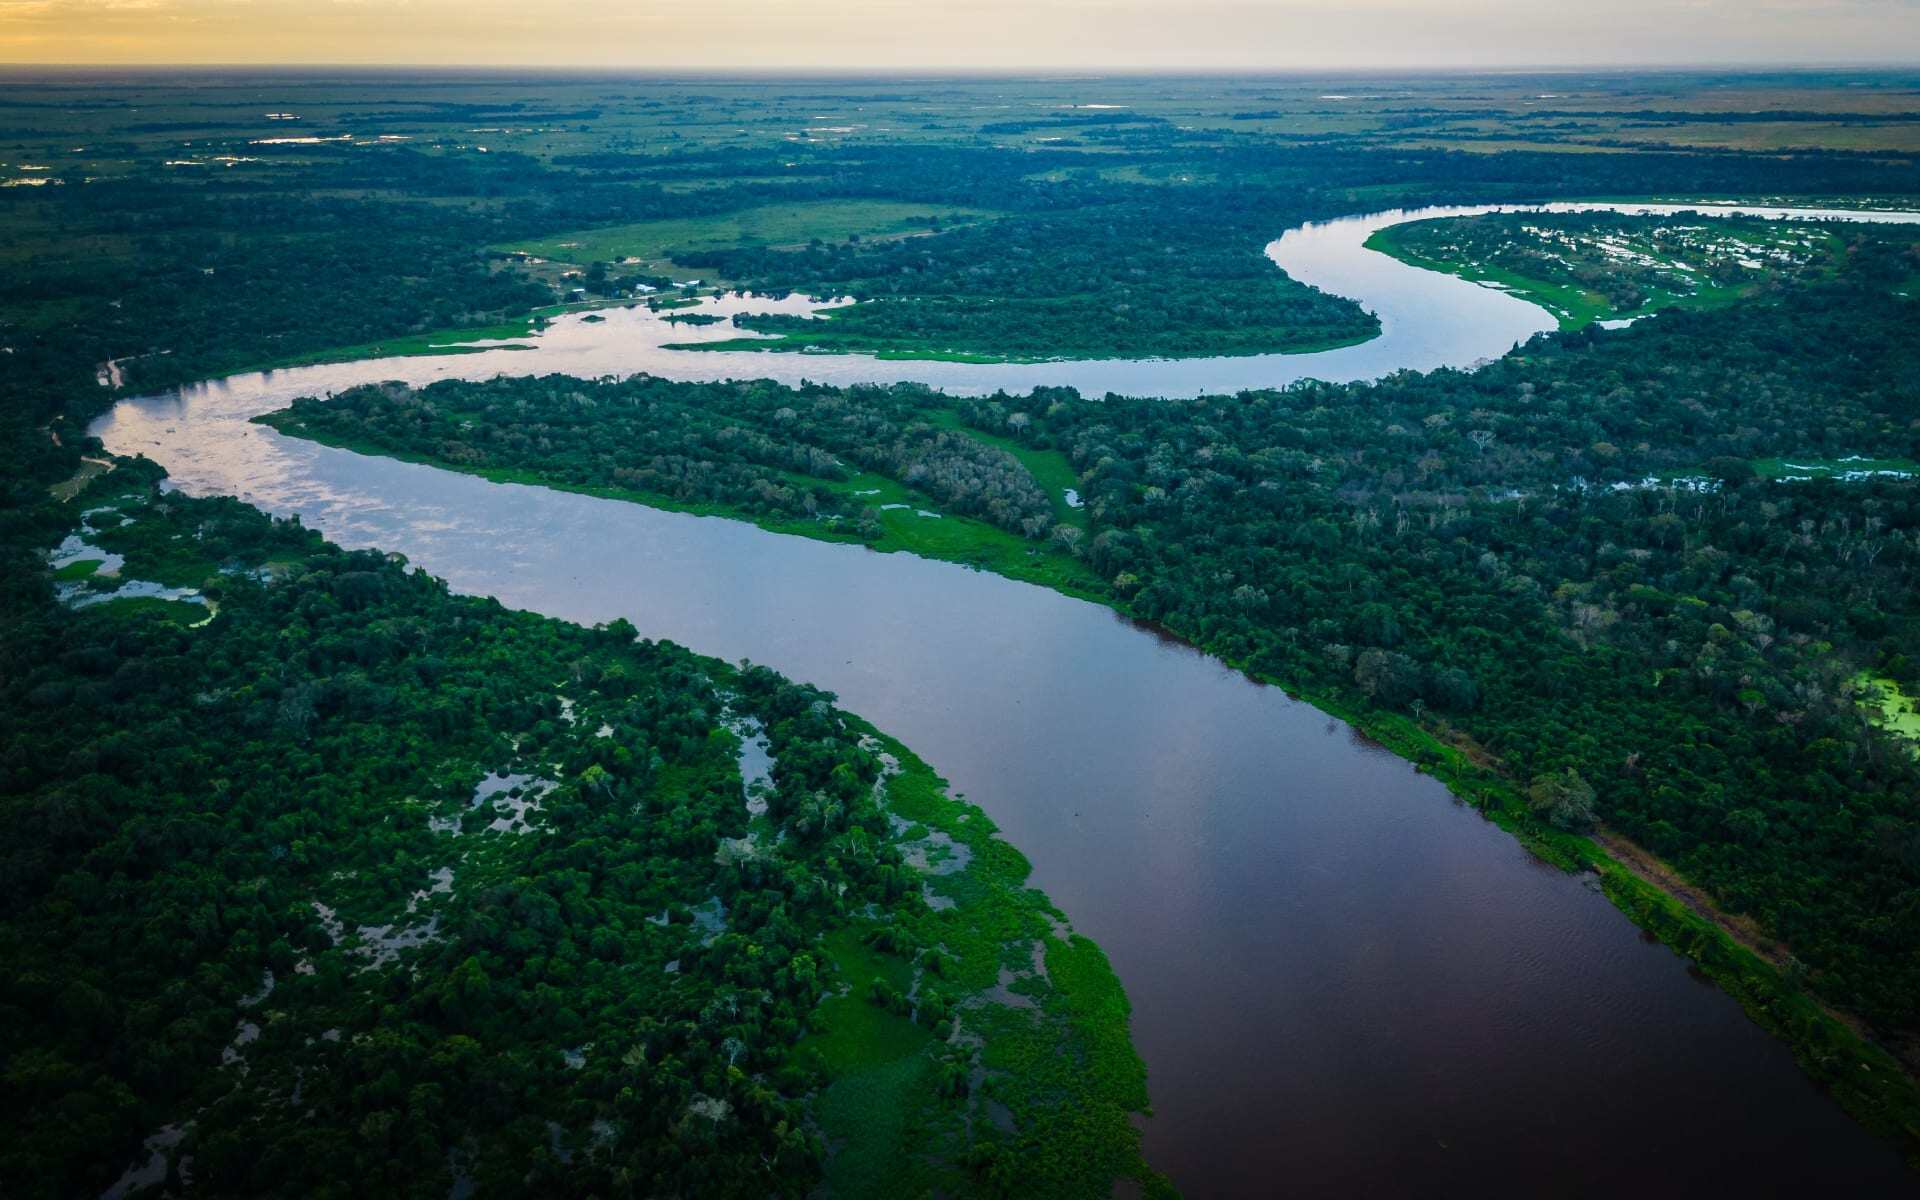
(1003, 1005)
(905, 525)
(504, 335)
(1572, 308)
(826, 341)
(1874, 1086)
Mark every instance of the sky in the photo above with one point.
(965, 34)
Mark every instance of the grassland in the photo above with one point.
(1839, 468)
(651, 244)
(78, 569)
(219, 125)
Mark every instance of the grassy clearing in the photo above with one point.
(1899, 136)
(960, 539)
(1841, 468)
(80, 569)
(90, 469)
(169, 561)
(1158, 175)
(1471, 145)
(1049, 468)
(654, 242)
(882, 1067)
(849, 1033)
(1893, 709)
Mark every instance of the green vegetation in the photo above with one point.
(1124, 282)
(78, 569)
(1055, 1062)
(895, 474)
(1476, 568)
(1894, 709)
(1585, 267)
(435, 342)
(1853, 467)
(132, 607)
(256, 897)
(1677, 648)
(1049, 468)
(658, 245)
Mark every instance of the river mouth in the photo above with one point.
(1343, 981)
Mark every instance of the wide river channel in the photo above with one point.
(1344, 982)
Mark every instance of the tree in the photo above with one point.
(1564, 799)
(1389, 678)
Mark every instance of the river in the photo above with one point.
(1343, 981)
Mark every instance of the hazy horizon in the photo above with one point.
(971, 35)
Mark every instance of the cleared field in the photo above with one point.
(655, 242)
(1785, 135)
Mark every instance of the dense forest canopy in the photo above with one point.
(757, 447)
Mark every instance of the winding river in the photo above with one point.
(1344, 982)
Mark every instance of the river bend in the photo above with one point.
(1343, 981)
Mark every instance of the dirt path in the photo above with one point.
(1649, 868)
